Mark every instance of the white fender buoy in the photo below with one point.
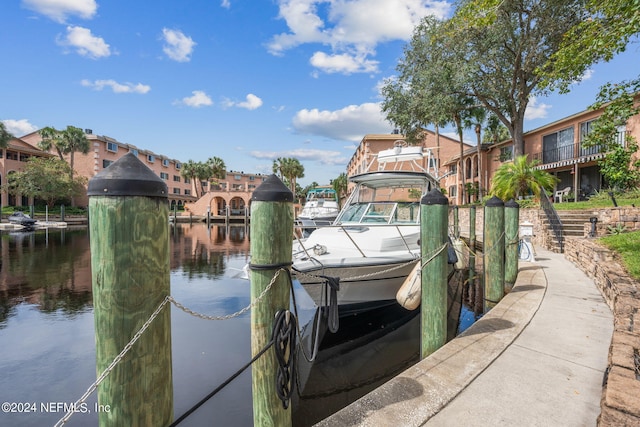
(461, 253)
(410, 293)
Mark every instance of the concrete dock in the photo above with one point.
(537, 359)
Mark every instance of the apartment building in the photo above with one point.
(559, 149)
(436, 148)
(12, 159)
(105, 150)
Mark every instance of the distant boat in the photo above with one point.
(20, 218)
(320, 209)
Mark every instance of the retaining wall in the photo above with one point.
(620, 405)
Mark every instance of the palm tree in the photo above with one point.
(475, 118)
(68, 141)
(289, 170)
(218, 168)
(203, 174)
(188, 171)
(340, 185)
(5, 136)
(516, 179)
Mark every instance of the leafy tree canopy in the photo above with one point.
(5, 136)
(47, 179)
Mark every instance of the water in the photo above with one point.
(47, 338)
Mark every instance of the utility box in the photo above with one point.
(525, 247)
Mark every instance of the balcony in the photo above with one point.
(572, 154)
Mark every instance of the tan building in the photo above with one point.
(559, 149)
(12, 159)
(437, 149)
(105, 150)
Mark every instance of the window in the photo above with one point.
(433, 163)
(506, 153)
(252, 178)
(165, 163)
(106, 163)
(164, 175)
(187, 180)
(178, 165)
(176, 178)
(237, 177)
(134, 151)
(176, 190)
(187, 192)
(151, 158)
(453, 191)
(12, 155)
(112, 146)
(558, 146)
(453, 168)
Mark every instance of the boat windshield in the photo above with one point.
(386, 205)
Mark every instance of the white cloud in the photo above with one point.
(178, 46)
(226, 4)
(116, 87)
(197, 100)
(251, 102)
(325, 157)
(536, 110)
(343, 63)
(350, 123)
(19, 127)
(59, 10)
(352, 28)
(85, 43)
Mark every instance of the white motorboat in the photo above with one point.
(321, 208)
(374, 242)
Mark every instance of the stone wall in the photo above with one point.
(629, 217)
(620, 404)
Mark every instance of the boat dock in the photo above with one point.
(539, 358)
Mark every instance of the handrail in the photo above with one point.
(553, 217)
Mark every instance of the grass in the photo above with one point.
(627, 245)
(602, 200)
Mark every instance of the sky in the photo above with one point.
(244, 80)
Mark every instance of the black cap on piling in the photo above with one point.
(494, 202)
(511, 204)
(272, 190)
(434, 197)
(127, 176)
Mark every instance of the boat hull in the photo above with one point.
(359, 282)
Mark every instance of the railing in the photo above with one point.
(554, 220)
(573, 151)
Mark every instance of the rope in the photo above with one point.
(332, 285)
(283, 339)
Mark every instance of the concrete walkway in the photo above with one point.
(537, 359)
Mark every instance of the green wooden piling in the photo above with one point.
(62, 213)
(456, 222)
(32, 211)
(511, 220)
(493, 252)
(130, 275)
(271, 245)
(434, 215)
(472, 245)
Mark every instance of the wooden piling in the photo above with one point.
(472, 245)
(456, 222)
(434, 216)
(493, 252)
(130, 276)
(271, 245)
(62, 213)
(511, 220)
